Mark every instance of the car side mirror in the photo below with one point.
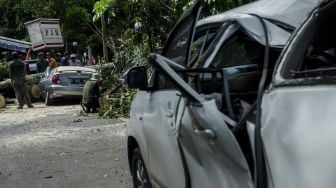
(135, 78)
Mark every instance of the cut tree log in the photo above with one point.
(31, 80)
(2, 101)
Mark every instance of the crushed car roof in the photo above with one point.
(289, 12)
(281, 15)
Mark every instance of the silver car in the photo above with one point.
(64, 82)
(212, 115)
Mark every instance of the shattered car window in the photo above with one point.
(177, 49)
(240, 51)
(199, 42)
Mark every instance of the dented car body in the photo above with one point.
(218, 111)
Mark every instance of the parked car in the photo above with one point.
(64, 82)
(199, 120)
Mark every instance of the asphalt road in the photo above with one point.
(58, 147)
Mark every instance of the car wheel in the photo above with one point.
(47, 100)
(139, 172)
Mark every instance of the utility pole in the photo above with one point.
(104, 38)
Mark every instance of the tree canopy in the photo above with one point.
(80, 19)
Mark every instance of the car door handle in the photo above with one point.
(208, 133)
(169, 113)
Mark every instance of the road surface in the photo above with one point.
(60, 147)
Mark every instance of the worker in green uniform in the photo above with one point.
(90, 100)
(17, 74)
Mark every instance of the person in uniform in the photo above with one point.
(41, 64)
(90, 100)
(17, 73)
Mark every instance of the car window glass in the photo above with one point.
(315, 50)
(201, 36)
(179, 40)
(240, 51)
(177, 49)
(199, 42)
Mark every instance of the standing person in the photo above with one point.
(48, 56)
(92, 60)
(85, 59)
(74, 61)
(52, 63)
(17, 73)
(41, 64)
(91, 94)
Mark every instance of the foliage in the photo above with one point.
(118, 105)
(4, 70)
(74, 16)
(131, 46)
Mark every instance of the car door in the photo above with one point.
(298, 112)
(165, 164)
(211, 154)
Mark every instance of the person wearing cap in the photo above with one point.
(91, 94)
(74, 61)
(41, 64)
(17, 73)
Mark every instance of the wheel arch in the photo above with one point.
(131, 145)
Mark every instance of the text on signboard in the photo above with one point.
(51, 32)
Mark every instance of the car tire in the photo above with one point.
(139, 171)
(47, 100)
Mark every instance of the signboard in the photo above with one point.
(44, 33)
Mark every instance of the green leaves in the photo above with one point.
(4, 70)
(100, 8)
(118, 105)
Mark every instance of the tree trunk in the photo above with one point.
(104, 38)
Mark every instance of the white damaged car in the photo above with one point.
(219, 110)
